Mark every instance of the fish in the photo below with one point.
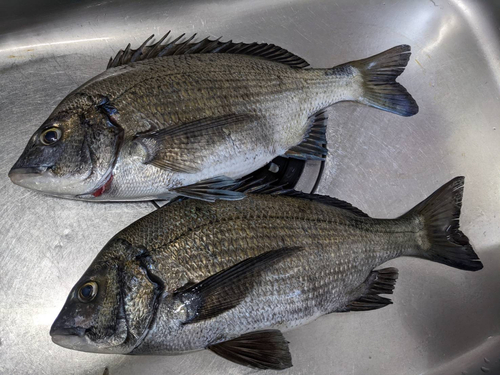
(189, 119)
(232, 276)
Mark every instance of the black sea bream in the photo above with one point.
(189, 118)
(230, 276)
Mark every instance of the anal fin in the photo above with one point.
(379, 282)
(265, 349)
(313, 145)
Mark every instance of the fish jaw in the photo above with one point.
(75, 339)
(43, 179)
(66, 333)
(69, 331)
(70, 338)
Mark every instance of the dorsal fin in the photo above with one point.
(248, 186)
(263, 50)
(323, 199)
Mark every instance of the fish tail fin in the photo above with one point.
(441, 240)
(379, 86)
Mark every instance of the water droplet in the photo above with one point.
(486, 360)
(485, 369)
(494, 128)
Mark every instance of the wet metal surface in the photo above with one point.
(443, 321)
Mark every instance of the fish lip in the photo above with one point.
(70, 338)
(70, 331)
(15, 171)
(19, 174)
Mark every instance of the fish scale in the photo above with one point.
(273, 228)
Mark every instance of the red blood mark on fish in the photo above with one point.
(103, 188)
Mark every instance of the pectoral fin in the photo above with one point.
(266, 349)
(227, 288)
(184, 147)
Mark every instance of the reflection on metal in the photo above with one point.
(54, 44)
(482, 30)
(447, 26)
(384, 164)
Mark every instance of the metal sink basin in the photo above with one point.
(443, 321)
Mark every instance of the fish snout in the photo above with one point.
(23, 176)
(43, 179)
(69, 341)
(67, 336)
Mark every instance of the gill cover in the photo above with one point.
(104, 139)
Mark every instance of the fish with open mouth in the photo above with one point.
(189, 118)
(231, 276)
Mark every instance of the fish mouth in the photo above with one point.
(18, 175)
(44, 180)
(57, 332)
(74, 338)
(70, 338)
(29, 177)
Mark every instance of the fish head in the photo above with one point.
(110, 309)
(91, 319)
(73, 153)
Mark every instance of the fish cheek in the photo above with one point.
(139, 298)
(103, 138)
(74, 158)
(108, 324)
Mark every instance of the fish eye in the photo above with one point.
(50, 136)
(87, 291)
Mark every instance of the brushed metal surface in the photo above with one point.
(443, 321)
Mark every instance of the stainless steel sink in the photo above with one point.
(443, 321)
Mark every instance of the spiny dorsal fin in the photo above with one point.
(263, 50)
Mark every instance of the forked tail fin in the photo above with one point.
(380, 89)
(441, 239)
